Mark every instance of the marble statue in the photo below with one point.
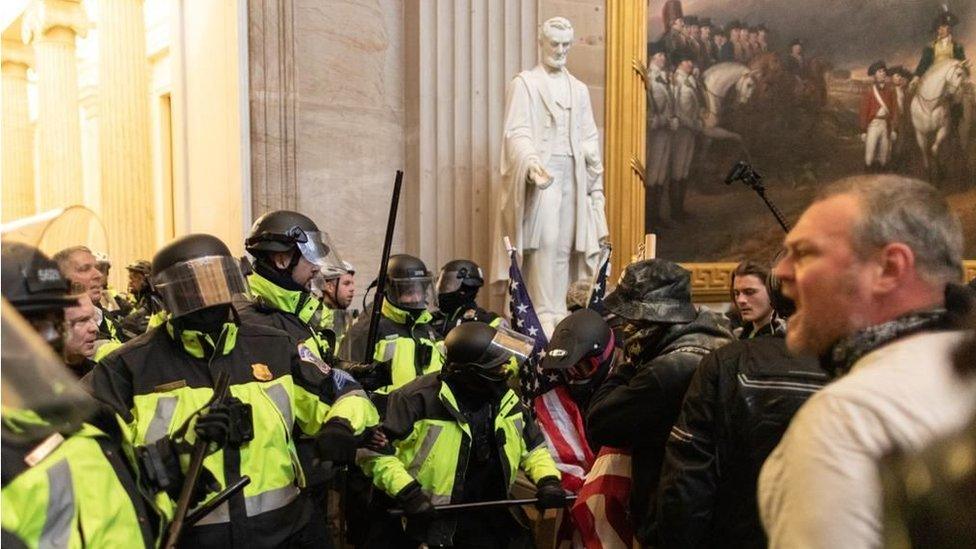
(552, 202)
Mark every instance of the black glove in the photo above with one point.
(159, 465)
(415, 503)
(549, 492)
(337, 443)
(214, 425)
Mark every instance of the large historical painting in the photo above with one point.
(807, 91)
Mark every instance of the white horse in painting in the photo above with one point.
(940, 87)
(718, 80)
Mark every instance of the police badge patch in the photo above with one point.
(261, 372)
(307, 355)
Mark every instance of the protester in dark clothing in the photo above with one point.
(582, 349)
(739, 403)
(666, 337)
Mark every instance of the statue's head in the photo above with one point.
(555, 39)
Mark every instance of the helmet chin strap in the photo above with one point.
(282, 277)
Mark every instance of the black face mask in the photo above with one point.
(209, 321)
(451, 303)
(476, 382)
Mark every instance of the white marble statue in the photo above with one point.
(552, 202)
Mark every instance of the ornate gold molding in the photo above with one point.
(710, 281)
(625, 127)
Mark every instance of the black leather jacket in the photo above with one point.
(639, 402)
(737, 408)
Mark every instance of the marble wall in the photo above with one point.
(350, 129)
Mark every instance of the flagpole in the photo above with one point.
(604, 257)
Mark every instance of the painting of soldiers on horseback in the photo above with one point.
(805, 91)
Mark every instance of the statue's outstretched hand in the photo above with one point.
(539, 176)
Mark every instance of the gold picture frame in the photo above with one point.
(626, 36)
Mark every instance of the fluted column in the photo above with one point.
(460, 56)
(51, 26)
(123, 134)
(17, 179)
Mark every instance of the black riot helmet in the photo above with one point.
(284, 230)
(31, 281)
(195, 272)
(409, 284)
(460, 275)
(582, 343)
(475, 349)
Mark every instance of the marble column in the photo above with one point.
(51, 27)
(460, 56)
(123, 134)
(17, 179)
(273, 105)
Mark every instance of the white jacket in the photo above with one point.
(820, 487)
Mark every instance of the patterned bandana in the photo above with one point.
(842, 356)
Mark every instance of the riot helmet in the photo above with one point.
(284, 230)
(40, 397)
(196, 272)
(458, 284)
(582, 345)
(409, 284)
(475, 349)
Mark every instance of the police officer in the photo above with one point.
(290, 251)
(336, 292)
(457, 289)
(158, 382)
(407, 346)
(147, 311)
(459, 436)
(55, 465)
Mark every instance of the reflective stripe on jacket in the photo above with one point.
(75, 497)
(432, 442)
(158, 380)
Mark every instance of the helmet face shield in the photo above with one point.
(411, 293)
(451, 280)
(317, 248)
(512, 343)
(39, 395)
(200, 283)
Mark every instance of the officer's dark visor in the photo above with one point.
(450, 281)
(200, 283)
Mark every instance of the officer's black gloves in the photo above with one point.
(159, 468)
(337, 443)
(549, 491)
(214, 426)
(415, 503)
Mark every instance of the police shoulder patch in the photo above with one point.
(470, 314)
(307, 355)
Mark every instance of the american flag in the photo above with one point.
(599, 286)
(545, 393)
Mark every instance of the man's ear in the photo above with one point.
(896, 261)
(281, 260)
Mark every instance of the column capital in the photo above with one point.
(16, 52)
(44, 15)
